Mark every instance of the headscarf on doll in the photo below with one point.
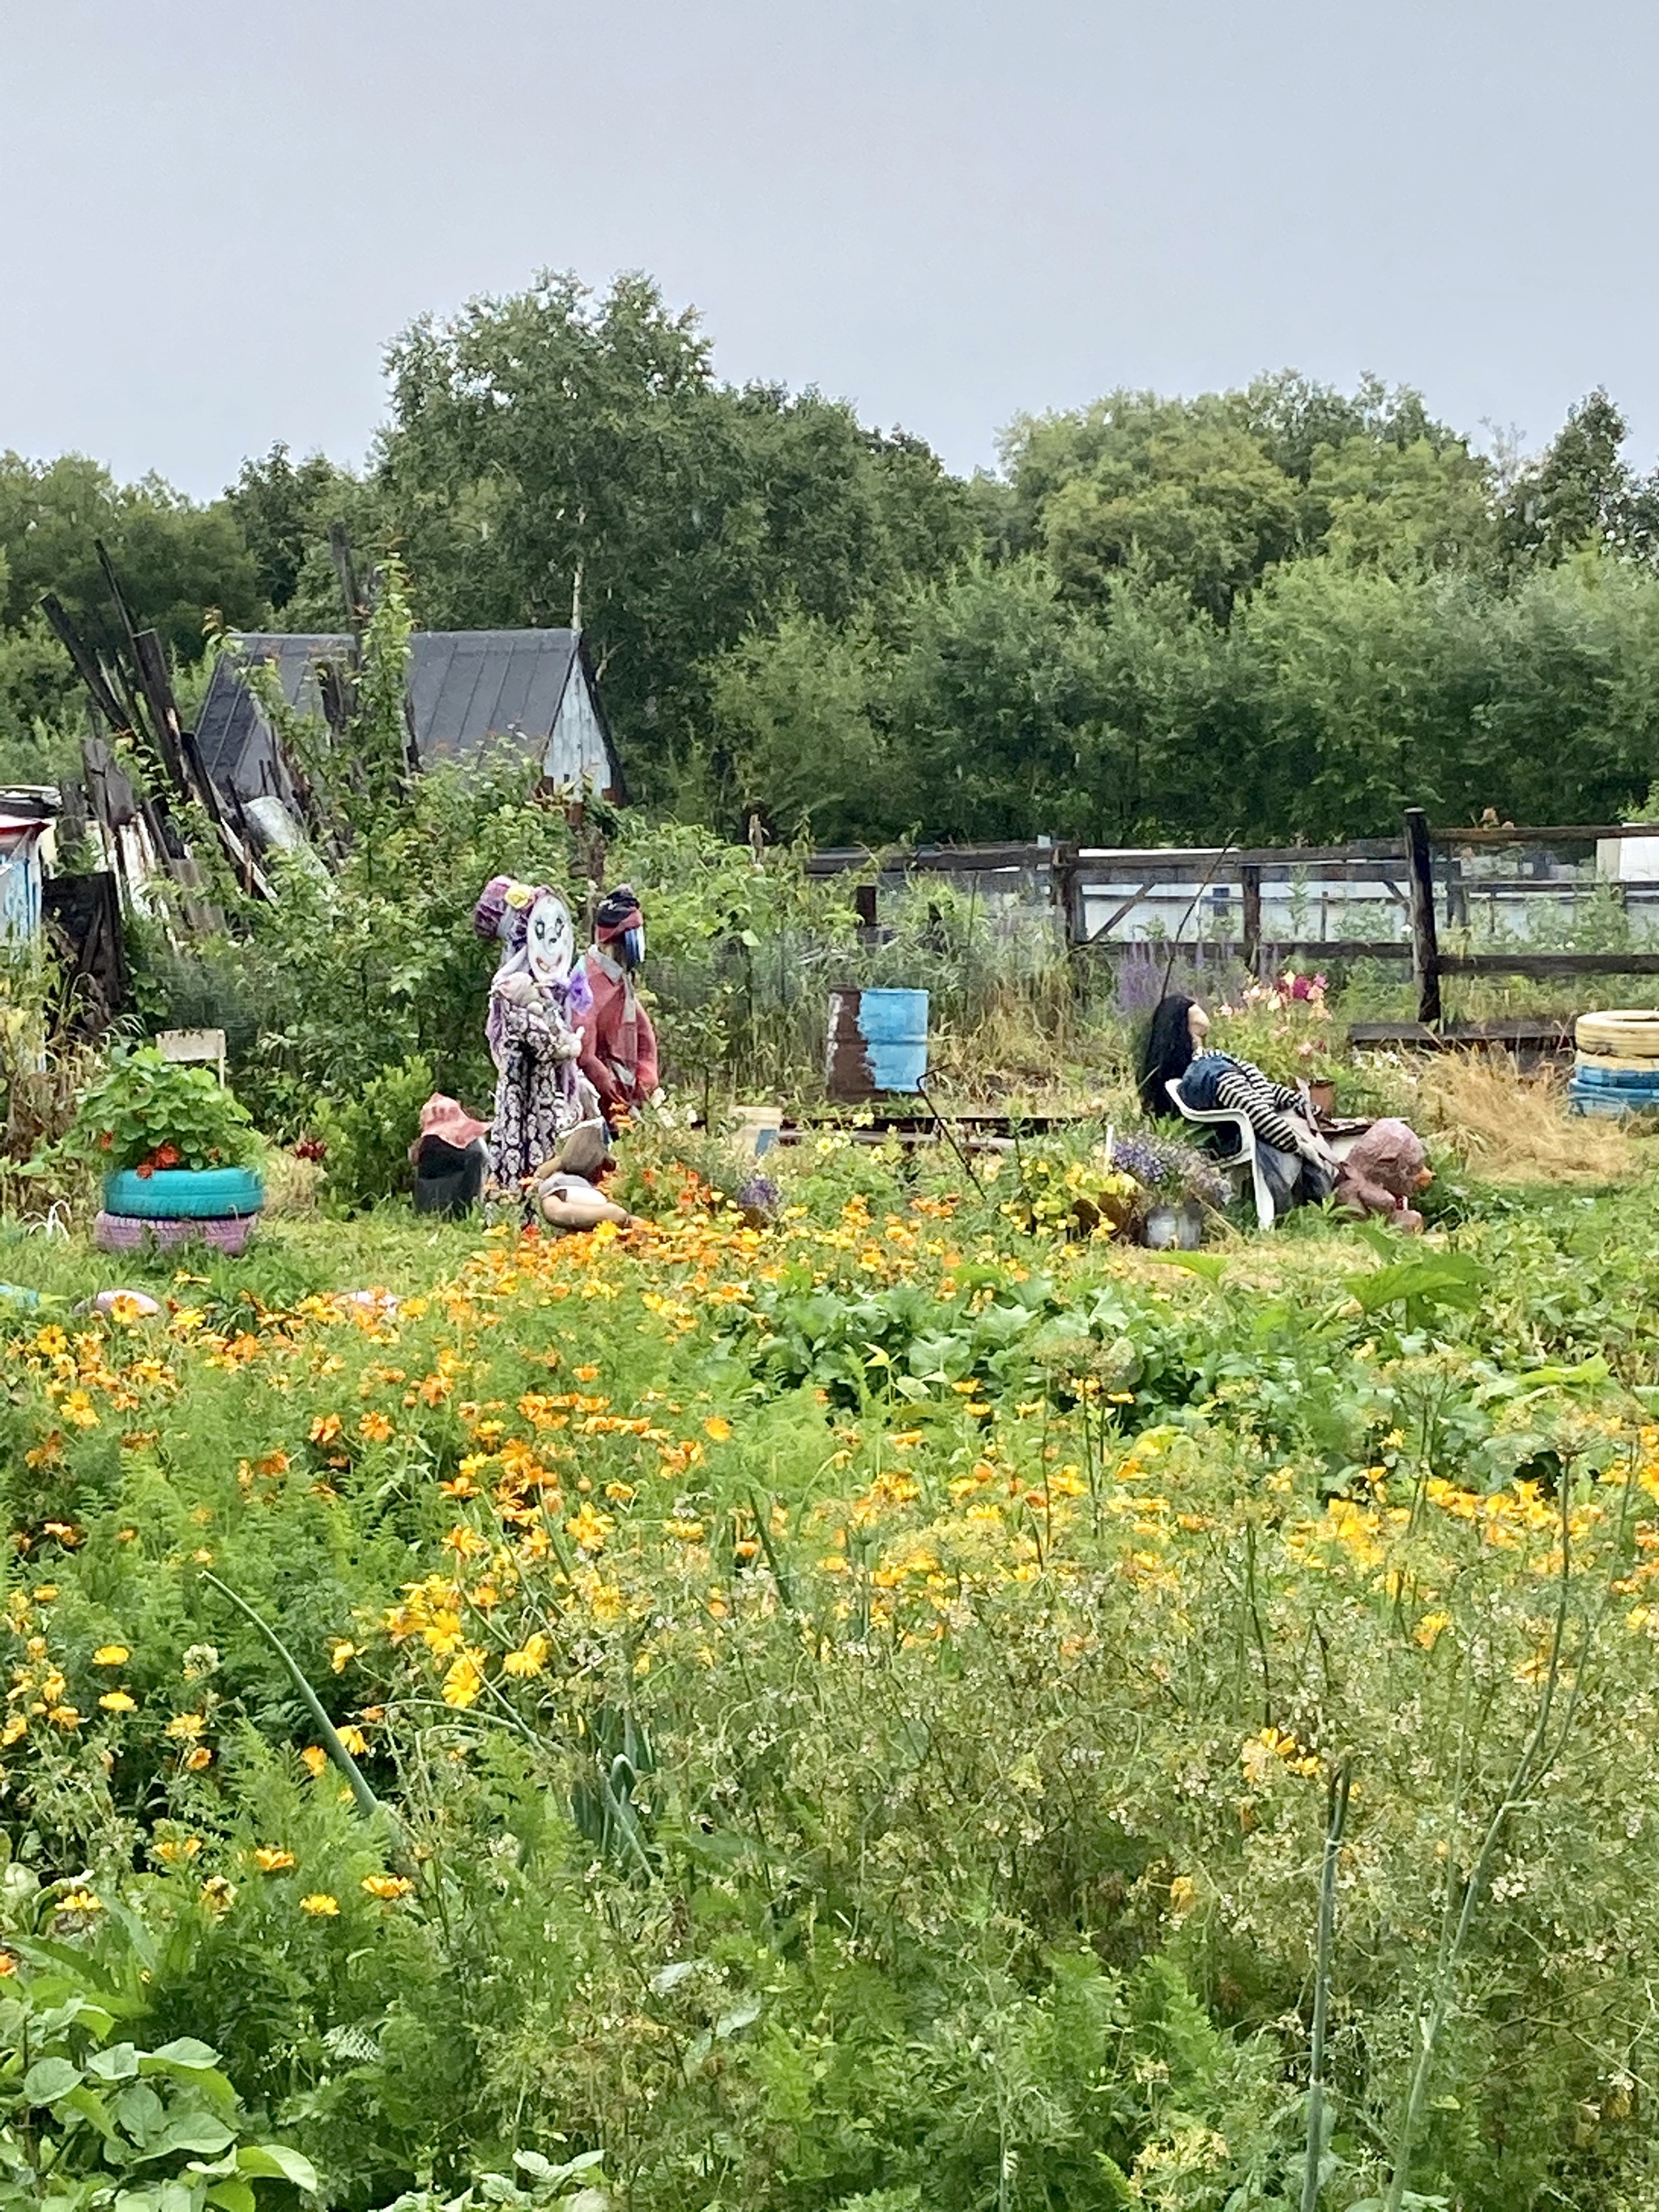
(539, 942)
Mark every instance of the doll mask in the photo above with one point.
(549, 942)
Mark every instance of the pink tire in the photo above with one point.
(125, 1233)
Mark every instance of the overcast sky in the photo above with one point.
(212, 217)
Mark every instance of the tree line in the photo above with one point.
(1277, 611)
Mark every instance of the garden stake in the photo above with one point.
(367, 1802)
(949, 1135)
(1333, 1827)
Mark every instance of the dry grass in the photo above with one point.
(1514, 1128)
(291, 1185)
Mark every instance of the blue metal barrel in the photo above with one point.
(877, 1041)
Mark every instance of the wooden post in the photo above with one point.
(1425, 946)
(1251, 881)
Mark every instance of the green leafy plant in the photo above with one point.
(147, 1112)
(87, 2121)
(365, 1140)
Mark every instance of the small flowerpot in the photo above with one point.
(1173, 1226)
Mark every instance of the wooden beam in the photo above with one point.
(1425, 951)
(1547, 965)
(1250, 883)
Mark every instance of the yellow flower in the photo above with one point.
(110, 1655)
(116, 1701)
(717, 1427)
(218, 1895)
(530, 1660)
(375, 1428)
(465, 1679)
(1427, 1631)
(270, 1859)
(1183, 1894)
(324, 1428)
(354, 1739)
(341, 1655)
(15, 1726)
(64, 1716)
(387, 1886)
(79, 1900)
(198, 1757)
(589, 1527)
(183, 1724)
(174, 1848)
(320, 1906)
(316, 1759)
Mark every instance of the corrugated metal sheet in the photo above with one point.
(465, 689)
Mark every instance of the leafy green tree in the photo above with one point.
(1401, 509)
(177, 561)
(283, 511)
(555, 453)
(1181, 486)
(1575, 493)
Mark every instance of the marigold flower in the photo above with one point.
(530, 1659)
(354, 1739)
(271, 1858)
(110, 1655)
(79, 1900)
(198, 1758)
(316, 1759)
(717, 1427)
(375, 1428)
(320, 1906)
(187, 1724)
(341, 1654)
(387, 1886)
(218, 1893)
(326, 1428)
(118, 1701)
(464, 1681)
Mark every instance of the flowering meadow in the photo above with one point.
(874, 1709)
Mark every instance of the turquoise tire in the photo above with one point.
(184, 1193)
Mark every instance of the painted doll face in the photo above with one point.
(549, 942)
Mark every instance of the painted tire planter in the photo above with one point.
(184, 1193)
(125, 1233)
(1611, 1093)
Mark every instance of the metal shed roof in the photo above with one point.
(465, 687)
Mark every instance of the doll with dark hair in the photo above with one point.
(1296, 1161)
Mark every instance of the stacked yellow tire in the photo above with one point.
(1618, 1063)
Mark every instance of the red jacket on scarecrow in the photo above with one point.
(619, 1046)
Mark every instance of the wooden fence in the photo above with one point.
(1404, 869)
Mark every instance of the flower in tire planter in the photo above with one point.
(179, 1153)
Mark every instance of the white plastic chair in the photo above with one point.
(1246, 1155)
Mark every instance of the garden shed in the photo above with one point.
(469, 691)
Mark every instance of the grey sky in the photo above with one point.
(213, 215)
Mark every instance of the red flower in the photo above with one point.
(146, 1168)
(167, 1157)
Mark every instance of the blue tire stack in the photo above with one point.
(1617, 1073)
